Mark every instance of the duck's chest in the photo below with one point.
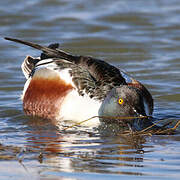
(49, 95)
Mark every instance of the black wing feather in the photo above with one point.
(106, 75)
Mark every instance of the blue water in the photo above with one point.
(142, 37)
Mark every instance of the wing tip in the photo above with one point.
(9, 39)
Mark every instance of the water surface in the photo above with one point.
(141, 37)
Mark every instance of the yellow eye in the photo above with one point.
(120, 101)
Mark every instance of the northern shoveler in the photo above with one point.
(68, 87)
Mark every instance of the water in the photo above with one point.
(141, 37)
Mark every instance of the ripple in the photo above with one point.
(141, 37)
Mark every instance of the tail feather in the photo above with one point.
(108, 75)
(47, 50)
(28, 65)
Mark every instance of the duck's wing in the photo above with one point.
(29, 63)
(82, 79)
(105, 74)
(71, 74)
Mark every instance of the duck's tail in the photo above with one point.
(99, 70)
(48, 51)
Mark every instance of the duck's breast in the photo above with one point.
(52, 94)
(44, 94)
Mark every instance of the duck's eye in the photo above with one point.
(120, 101)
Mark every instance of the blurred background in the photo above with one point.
(141, 37)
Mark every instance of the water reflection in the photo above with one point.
(86, 150)
(141, 37)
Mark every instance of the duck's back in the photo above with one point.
(65, 86)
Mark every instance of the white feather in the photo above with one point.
(45, 65)
(78, 108)
(25, 88)
(74, 107)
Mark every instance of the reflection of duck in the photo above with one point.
(63, 86)
(71, 151)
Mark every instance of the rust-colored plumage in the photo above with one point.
(44, 96)
(92, 83)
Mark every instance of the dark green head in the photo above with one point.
(123, 101)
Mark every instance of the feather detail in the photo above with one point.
(28, 65)
(104, 73)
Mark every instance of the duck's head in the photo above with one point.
(123, 101)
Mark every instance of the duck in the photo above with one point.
(63, 86)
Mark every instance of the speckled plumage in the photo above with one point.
(90, 77)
